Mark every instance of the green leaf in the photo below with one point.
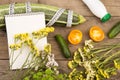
(44, 78)
(50, 78)
(35, 77)
(49, 71)
(26, 78)
(39, 74)
(60, 76)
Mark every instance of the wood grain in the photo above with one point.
(4, 2)
(23, 1)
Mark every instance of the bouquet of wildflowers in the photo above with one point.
(42, 65)
(90, 63)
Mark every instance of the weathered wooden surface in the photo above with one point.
(113, 6)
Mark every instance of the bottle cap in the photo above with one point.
(106, 17)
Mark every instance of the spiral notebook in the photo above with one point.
(23, 23)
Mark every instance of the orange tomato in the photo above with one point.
(96, 33)
(75, 37)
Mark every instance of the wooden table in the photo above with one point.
(113, 6)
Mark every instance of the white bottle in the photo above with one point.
(98, 9)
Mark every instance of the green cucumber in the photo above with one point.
(48, 10)
(63, 45)
(114, 31)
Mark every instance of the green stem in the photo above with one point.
(11, 58)
(11, 53)
(29, 67)
(16, 57)
(36, 62)
(110, 58)
(22, 66)
(109, 51)
(106, 49)
(26, 60)
(101, 50)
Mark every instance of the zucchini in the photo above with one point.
(48, 10)
(63, 45)
(114, 31)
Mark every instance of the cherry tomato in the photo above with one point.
(96, 33)
(75, 37)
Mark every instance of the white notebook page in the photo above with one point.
(22, 23)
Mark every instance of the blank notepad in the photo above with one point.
(23, 23)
